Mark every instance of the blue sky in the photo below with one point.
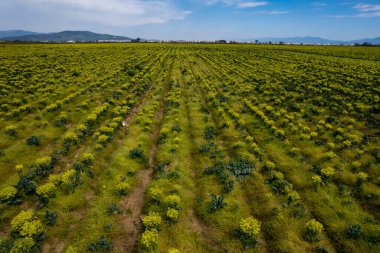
(197, 19)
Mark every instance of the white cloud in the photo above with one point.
(113, 13)
(363, 11)
(251, 4)
(238, 3)
(367, 7)
(271, 12)
(318, 5)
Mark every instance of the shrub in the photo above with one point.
(313, 230)
(156, 193)
(269, 165)
(7, 193)
(87, 159)
(50, 218)
(91, 119)
(173, 250)
(354, 231)
(294, 151)
(136, 154)
(172, 214)
(47, 190)
(152, 221)
(55, 179)
(32, 228)
(329, 155)
(70, 137)
(61, 119)
(327, 172)
(149, 239)
(249, 228)
(19, 168)
(70, 179)
(22, 245)
(102, 244)
(33, 141)
(240, 168)
(292, 197)
(11, 130)
(210, 133)
(82, 129)
(355, 165)
(362, 177)
(216, 203)
(316, 180)
(173, 201)
(26, 224)
(43, 163)
(122, 188)
(113, 209)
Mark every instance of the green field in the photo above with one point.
(189, 148)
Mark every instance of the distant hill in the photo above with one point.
(315, 40)
(77, 36)
(14, 33)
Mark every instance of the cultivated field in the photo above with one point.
(189, 148)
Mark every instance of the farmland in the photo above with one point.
(189, 148)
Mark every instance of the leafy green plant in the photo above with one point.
(149, 239)
(249, 229)
(313, 230)
(33, 141)
(152, 221)
(354, 231)
(7, 193)
(102, 244)
(216, 203)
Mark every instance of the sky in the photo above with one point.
(197, 19)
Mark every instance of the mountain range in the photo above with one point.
(77, 36)
(86, 36)
(316, 40)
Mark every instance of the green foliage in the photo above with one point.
(354, 231)
(240, 168)
(316, 180)
(173, 201)
(70, 179)
(87, 159)
(210, 133)
(102, 245)
(50, 218)
(149, 239)
(313, 230)
(172, 214)
(27, 225)
(11, 130)
(70, 137)
(122, 188)
(23, 245)
(327, 172)
(152, 221)
(216, 203)
(33, 141)
(47, 190)
(7, 193)
(138, 154)
(249, 229)
(156, 193)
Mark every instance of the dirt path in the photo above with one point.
(134, 203)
